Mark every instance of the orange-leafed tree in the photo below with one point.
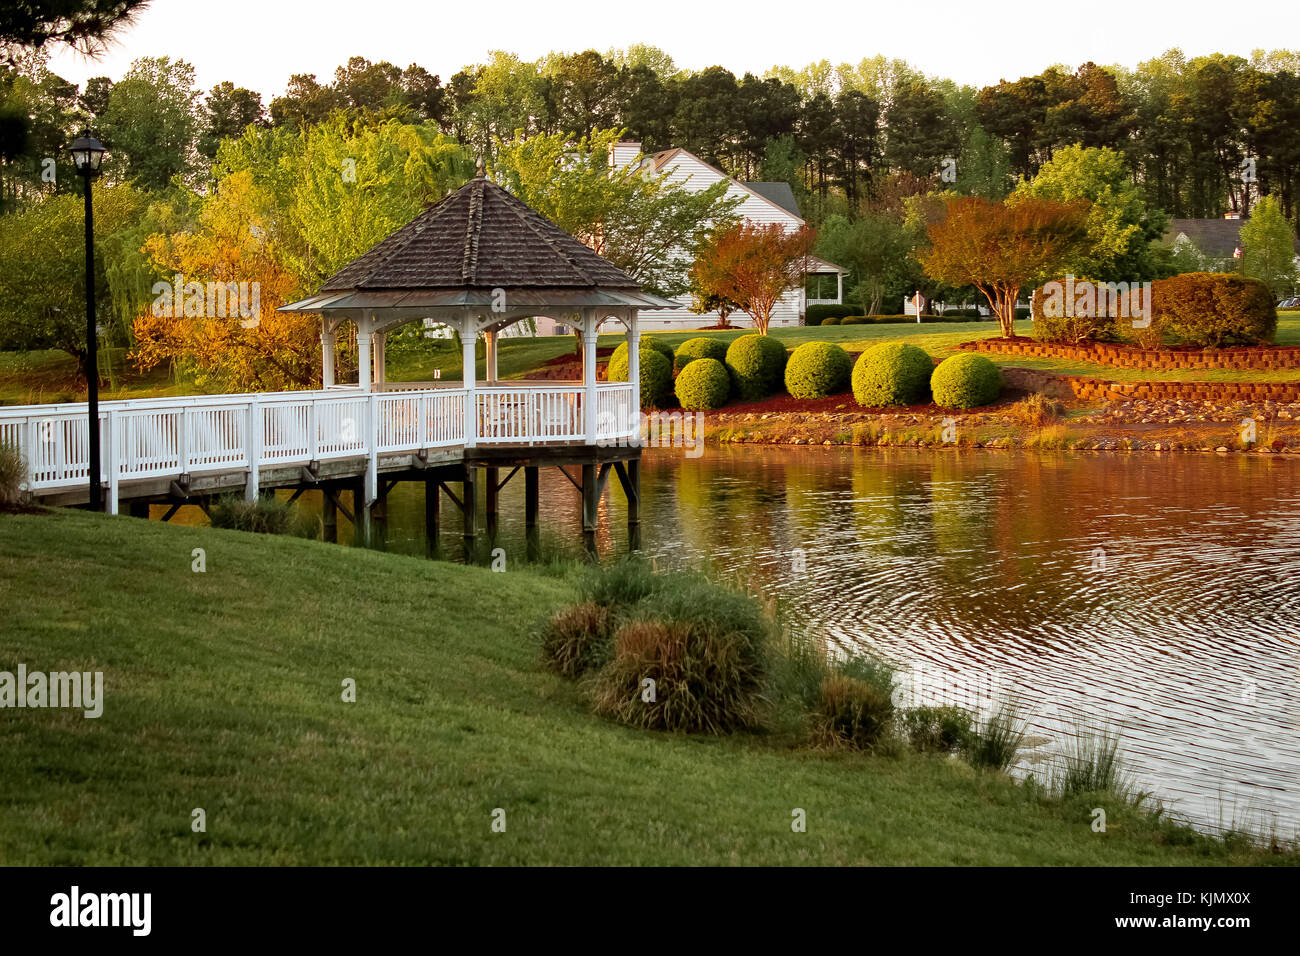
(753, 266)
(265, 351)
(1003, 248)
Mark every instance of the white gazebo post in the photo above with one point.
(326, 352)
(490, 356)
(634, 360)
(381, 371)
(468, 338)
(590, 331)
(364, 326)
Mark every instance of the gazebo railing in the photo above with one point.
(179, 437)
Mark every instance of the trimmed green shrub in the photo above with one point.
(703, 385)
(961, 313)
(817, 369)
(1211, 310)
(705, 648)
(656, 374)
(262, 516)
(831, 320)
(1078, 310)
(702, 346)
(818, 314)
(938, 729)
(851, 712)
(965, 381)
(854, 320)
(892, 373)
(616, 371)
(756, 364)
(578, 639)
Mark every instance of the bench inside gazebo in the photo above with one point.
(478, 261)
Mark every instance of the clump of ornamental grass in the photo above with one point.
(576, 640)
(261, 516)
(1036, 410)
(13, 471)
(690, 659)
(852, 713)
(943, 730)
(996, 742)
(1091, 763)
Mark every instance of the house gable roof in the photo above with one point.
(1218, 238)
(661, 160)
(779, 193)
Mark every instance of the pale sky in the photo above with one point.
(259, 43)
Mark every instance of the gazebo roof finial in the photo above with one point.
(480, 169)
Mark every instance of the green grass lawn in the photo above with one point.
(49, 376)
(223, 691)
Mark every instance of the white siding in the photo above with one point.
(697, 175)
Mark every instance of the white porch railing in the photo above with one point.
(174, 437)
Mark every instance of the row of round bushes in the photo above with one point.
(894, 373)
(755, 366)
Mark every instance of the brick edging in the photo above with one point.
(1249, 358)
(1096, 389)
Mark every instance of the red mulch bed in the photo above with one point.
(783, 404)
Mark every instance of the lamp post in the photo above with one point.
(87, 153)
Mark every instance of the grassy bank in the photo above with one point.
(223, 691)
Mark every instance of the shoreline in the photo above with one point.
(1271, 431)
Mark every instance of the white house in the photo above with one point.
(760, 203)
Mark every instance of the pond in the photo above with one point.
(1154, 594)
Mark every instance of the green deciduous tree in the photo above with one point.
(647, 226)
(1268, 248)
(1120, 225)
(152, 122)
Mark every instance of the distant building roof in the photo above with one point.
(779, 193)
(1218, 238)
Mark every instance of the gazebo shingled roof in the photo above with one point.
(480, 237)
(468, 244)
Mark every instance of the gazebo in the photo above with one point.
(480, 260)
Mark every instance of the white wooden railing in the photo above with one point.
(176, 437)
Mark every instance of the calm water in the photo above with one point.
(1158, 594)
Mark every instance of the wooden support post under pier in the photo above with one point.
(590, 499)
(629, 476)
(532, 501)
(469, 509)
(432, 514)
(330, 517)
(491, 477)
(360, 513)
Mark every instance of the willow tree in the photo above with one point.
(1003, 248)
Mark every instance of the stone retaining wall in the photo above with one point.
(1095, 389)
(1129, 356)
